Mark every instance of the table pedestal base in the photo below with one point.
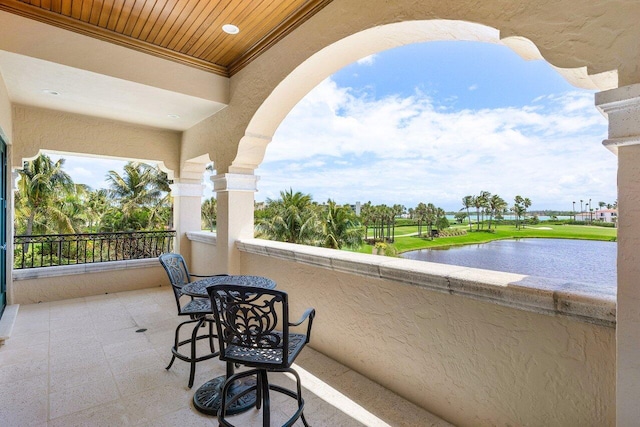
(208, 397)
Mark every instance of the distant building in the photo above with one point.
(356, 208)
(607, 215)
(602, 215)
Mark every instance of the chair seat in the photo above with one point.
(197, 306)
(260, 356)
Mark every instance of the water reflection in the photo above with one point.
(582, 261)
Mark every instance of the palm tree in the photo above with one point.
(389, 220)
(441, 222)
(398, 210)
(517, 209)
(42, 187)
(209, 212)
(480, 202)
(467, 202)
(73, 205)
(483, 201)
(366, 217)
(97, 204)
(139, 192)
(430, 218)
(293, 219)
(496, 205)
(340, 227)
(420, 213)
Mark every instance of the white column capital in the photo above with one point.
(622, 108)
(181, 189)
(235, 182)
(620, 99)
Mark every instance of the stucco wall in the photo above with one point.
(470, 362)
(40, 129)
(68, 282)
(6, 128)
(203, 252)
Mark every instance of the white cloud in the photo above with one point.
(473, 87)
(344, 145)
(367, 60)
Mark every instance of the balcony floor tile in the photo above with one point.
(82, 362)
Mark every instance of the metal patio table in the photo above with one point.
(207, 398)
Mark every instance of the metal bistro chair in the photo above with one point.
(246, 318)
(196, 308)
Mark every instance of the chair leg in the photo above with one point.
(194, 341)
(176, 342)
(173, 358)
(299, 394)
(226, 401)
(258, 391)
(266, 404)
(211, 346)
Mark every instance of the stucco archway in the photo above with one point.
(327, 61)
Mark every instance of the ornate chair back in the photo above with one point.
(178, 273)
(253, 326)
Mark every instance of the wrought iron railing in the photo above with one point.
(68, 249)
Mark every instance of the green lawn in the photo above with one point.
(406, 242)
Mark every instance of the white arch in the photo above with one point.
(327, 61)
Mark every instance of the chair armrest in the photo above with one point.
(309, 313)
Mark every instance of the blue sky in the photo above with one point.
(436, 121)
(432, 123)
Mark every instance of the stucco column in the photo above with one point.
(234, 194)
(622, 106)
(187, 201)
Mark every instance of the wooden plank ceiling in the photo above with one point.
(187, 31)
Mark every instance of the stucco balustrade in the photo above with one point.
(474, 347)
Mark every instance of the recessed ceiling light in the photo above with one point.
(230, 29)
(173, 116)
(51, 92)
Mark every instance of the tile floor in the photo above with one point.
(81, 362)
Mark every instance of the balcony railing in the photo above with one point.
(69, 249)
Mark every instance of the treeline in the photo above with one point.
(296, 218)
(381, 219)
(489, 207)
(49, 202)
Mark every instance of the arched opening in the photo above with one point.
(72, 208)
(507, 121)
(360, 45)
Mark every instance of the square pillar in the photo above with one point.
(235, 198)
(187, 208)
(622, 107)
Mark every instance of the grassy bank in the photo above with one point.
(406, 240)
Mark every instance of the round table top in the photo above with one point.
(199, 287)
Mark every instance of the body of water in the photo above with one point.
(583, 261)
(452, 218)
